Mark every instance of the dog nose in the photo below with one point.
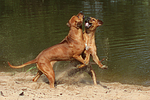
(81, 12)
(88, 18)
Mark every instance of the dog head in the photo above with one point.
(92, 23)
(76, 20)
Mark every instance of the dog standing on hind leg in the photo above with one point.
(89, 36)
(70, 48)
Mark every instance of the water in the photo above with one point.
(27, 27)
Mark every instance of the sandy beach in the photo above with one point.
(19, 86)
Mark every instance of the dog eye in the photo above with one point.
(93, 19)
(78, 16)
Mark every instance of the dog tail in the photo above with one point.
(23, 65)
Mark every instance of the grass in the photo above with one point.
(23, 69)
(31, 69)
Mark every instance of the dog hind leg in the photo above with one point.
(47, 69)
(39, 73)
(91, 72)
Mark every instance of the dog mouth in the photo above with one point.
(88, 24)
(79, 25)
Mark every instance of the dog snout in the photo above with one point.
(88, 19)
(81, 12)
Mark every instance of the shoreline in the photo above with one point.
(19, 86)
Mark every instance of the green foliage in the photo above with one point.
(31, 69)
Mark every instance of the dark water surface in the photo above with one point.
(29, 26)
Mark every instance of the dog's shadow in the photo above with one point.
(73, 76)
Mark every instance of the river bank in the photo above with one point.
(19, 86)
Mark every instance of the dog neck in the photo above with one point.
(75, 30)
(91, 34)
(80, 27)
(75, 33)
(89, 37)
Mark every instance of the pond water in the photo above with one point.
(29, 26)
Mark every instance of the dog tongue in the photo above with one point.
(86, 24)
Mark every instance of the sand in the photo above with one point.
(19, 86)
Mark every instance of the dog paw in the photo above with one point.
(80, 66)
(86, 63)
(104, 67)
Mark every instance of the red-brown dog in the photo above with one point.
(71, 47)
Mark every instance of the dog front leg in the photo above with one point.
(79, 58)
(39, 73)
(87, 58)
(97, 61)
(92, 74)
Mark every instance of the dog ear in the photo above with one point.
(100, 22)
(68, 24)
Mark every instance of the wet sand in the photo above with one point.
(19, 86)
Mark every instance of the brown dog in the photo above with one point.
(89, 35)
(71, 47)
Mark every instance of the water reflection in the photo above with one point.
(27, 27)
